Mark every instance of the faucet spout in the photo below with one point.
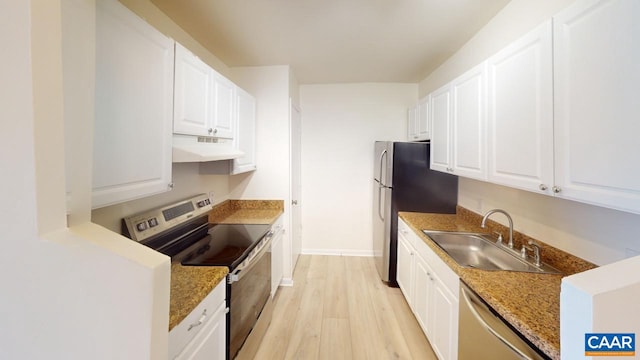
(486, 216)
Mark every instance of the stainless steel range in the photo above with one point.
(182, 231)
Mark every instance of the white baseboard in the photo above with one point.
(338, 252)
(286, 282)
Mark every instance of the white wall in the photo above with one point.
(77, 293)
(340, 123)
(272, 86)
(187, 182)
(596, 234)
(593, 233)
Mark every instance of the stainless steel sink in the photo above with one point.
(476, 250)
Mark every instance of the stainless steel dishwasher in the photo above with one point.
(483, 335)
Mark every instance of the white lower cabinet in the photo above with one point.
(277, 256)
(444, 321)
(422, 293)
(431, 289)
(202, 334)
(404, 272)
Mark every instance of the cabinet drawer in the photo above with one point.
(407, 232)
(188, 328)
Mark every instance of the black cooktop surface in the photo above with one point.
(225, 245)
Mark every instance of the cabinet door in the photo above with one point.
(520, 109)
(596, 87)
(245, 132)
(422, 294)
(277, 258)
(210, 342)
(412, 124)
(193, 95)
(404, 272)
(444, 314)
(133, 109)
(225, 98)
(468, 119)
(441, 129)
(423, 119)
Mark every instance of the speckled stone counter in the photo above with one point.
(191, 284)
(246, 212)
(529, 302)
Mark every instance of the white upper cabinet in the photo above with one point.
(193, 95)
(520, 113)
(412, 123)
(468, 119)
(419, 121)
(204, 99)
(424, 119)
(441, 129)
(458, 120)
(245, 137)
(225, 100)
(133, 107)
(597, 92)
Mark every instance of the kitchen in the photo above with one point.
(67, 302)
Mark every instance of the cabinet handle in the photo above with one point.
(210, 130)
(215, 131)
(543, 187)
(170, 185)
(200, 321)
(556, 189)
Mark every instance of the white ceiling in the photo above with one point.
(334, 41)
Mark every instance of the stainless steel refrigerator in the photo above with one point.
(403, 181)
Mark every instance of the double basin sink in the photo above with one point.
(480, 251)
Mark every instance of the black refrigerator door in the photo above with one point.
(417, 188)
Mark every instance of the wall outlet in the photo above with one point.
(211, 197)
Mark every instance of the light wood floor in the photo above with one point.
(339, 309)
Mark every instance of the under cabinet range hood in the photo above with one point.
(202, 149)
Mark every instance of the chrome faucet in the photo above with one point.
(535, 248)
(486, 216)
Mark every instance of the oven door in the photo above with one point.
(249, 290)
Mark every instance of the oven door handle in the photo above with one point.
(251, 260)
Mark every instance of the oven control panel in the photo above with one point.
(144, 225)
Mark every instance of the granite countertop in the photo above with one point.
(246, 212)
(529, 302)
(191, 284)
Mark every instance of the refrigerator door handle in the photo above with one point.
(380, 187)
(382, 155)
